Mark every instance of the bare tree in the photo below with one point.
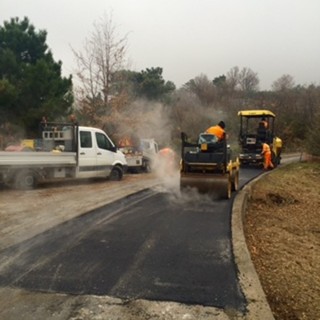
(243, 80)
(233, 78)
(103, 55)
(187, 113)
(285, 82)
(248, 80)
(203, 88)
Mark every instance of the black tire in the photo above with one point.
(147, 166)
(25, 180)
(116, 174)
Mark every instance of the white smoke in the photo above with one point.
(169, 175)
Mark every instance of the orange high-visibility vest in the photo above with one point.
(217, 131)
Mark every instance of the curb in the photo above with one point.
(258, 307)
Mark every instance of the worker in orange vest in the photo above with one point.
(266, 152)
(166, 162)
(218, 130)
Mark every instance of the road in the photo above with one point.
(154, 245)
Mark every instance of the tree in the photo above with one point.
(188, 115)
(219, 81)
(248, 80)
(244, 80)
(203, 88)
(150, 84)
(103, 57)
(285, 82)
(31, 84)
(141, 104)
(313, 136)
(233, 78)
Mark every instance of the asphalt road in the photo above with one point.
(153, 245)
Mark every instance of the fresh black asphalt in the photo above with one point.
(150, 245)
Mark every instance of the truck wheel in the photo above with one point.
(116, 174)
(25, 180)
(147, 166)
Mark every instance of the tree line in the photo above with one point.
(104, 92)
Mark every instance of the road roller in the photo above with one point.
(208, 166)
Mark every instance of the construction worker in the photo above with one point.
(166, 162)
(263, 123)
(218, 131)
(266, 152)
(262, 130)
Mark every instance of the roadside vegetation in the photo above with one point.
(104, 92)
(282, 228)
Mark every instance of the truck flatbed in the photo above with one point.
(29, 158)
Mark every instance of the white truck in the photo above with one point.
(64, 151)
(141, 158)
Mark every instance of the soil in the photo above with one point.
(282, 228)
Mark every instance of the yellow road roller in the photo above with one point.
(208, 166)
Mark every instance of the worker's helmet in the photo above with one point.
(222, 124)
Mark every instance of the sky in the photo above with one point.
(188, 38)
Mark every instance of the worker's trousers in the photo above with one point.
(267, 161)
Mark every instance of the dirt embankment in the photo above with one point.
(283, 235)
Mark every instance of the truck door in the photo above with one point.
(87, 155)
(105, 153)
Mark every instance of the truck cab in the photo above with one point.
(98, 156)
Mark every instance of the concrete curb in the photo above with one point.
(258, 307)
